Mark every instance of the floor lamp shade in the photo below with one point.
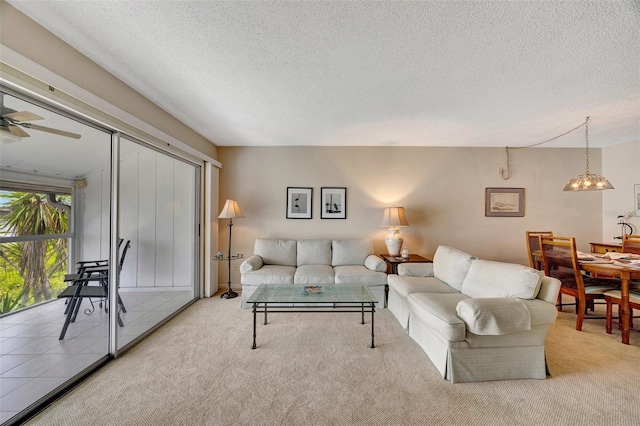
(394, 218)
(230, 210)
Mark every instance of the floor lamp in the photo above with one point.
(230, 210)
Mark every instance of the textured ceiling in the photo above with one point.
(429, 73)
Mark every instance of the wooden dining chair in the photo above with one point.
(560, 260)
(533, 245)
(612, 297)
(631, 243)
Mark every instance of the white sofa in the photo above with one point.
(276, 261)
(477, 320)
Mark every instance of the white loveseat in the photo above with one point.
(276, 261)
(477, 320)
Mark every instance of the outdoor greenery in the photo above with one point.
(32, 271)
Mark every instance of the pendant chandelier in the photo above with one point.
(587, 181)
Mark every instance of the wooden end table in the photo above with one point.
(394, 261)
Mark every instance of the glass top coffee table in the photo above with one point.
(269, 298)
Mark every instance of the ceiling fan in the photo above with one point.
(12, 121)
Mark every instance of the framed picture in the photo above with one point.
(504, 202)
(333, 203)
(636, 199)
(299, 203)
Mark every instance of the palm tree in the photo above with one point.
(36, 261)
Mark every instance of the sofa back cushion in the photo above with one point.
(350, 252)
(276, 252)
(314, 252)
(451, 266)
(487, 278)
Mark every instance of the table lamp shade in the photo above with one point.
(394, 216)
(230, 210)
(393, 219)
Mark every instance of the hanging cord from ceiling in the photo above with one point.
(507, 148)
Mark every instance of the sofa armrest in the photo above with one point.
(416, 269)
(375, 263)
(252, 263)
(494, 316)
(549, 289)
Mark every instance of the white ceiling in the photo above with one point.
(423, 73)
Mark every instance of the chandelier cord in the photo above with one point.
(507, 148)
(586, 137)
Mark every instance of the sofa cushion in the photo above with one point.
(494, 315)
(314, 274)
(269, 274)
(438, 312)
(487, 278)
(358, 274)
(350, 252)
(375, 263)
(404, 286)
(451, 265)
(314, 252)
(276, 252)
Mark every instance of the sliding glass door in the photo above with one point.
(158, 222)
(46, 171)
(104, 220)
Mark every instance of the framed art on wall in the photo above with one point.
(333, 203)
(299, 202)
(504, 202)
(636, 199)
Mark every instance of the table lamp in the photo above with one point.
(230, 210)
(393, 219)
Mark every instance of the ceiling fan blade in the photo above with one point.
(23, 116)
(50, 130)
(15, 130)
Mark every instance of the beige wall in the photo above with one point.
(621, 165)
(442, 190)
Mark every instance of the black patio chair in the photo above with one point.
(81, 288)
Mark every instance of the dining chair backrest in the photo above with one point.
(560, 260)
(631, 243)
(533, 245)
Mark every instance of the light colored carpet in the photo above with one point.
(318, 369)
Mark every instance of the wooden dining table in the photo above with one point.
(626, 274)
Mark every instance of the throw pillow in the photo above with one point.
(374, 263)
(252, 263)
(494, 316)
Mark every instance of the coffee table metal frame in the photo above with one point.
(278, 298)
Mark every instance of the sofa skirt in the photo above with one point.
(399, 308)
(485, 364)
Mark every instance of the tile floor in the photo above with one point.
(33, 362)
